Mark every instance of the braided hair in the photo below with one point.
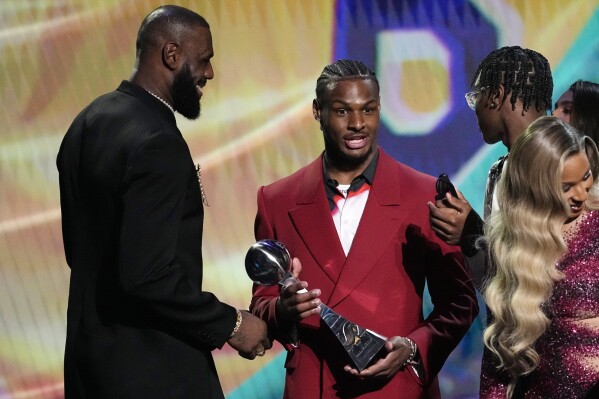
(342, 70)
(523, 72)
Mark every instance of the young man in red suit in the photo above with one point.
(356, 222)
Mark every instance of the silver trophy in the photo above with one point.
(268, 262)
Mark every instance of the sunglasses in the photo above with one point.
(472, 97)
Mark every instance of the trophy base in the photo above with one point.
(362, 345)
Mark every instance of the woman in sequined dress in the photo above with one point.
(543, 292)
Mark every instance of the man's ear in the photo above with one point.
(316, 109)
(170, 55)
(495, 98)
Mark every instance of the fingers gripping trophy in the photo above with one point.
(268, 262)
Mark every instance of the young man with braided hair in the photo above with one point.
(512, 87)
(355, 219)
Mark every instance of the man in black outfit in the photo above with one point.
(139, 324)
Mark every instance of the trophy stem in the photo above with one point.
(289, 279)
(362, 345)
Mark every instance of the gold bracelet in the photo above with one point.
(237, 324)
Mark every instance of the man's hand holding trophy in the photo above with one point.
(268, 262)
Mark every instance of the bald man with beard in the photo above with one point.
(139, 324)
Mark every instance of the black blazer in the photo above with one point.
(138, 323)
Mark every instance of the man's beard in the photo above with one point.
(341, 160)
(186, 99)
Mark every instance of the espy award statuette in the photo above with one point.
(268, 262)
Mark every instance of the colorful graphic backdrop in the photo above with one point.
(57, 55)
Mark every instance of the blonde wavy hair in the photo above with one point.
(524, 241)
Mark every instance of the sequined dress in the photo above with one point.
(569, 349)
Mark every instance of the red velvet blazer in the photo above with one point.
(379, 285)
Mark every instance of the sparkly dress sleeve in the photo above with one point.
(493, 383)
(569, 349)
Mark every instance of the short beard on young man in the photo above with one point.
(342, 160)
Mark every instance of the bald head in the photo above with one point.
(166, 23)
(174, 49)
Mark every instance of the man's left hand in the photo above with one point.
(448, 217)
(397, 354)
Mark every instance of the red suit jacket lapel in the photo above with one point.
(378, 225)
(313, 221)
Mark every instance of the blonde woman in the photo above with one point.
(543, 289)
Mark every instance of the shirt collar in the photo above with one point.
(367, 175)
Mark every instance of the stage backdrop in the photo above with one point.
(256, 127)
